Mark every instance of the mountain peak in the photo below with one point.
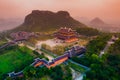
(39, 12)
(97, 21)
(63, 13)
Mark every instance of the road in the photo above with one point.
(74, 73)
(78, 76)
(7, 44)
(109, 43)
(48, 56)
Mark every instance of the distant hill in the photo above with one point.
(45, 20)
(6, 24)
(103, 26)
(97, 21)
(98, 24)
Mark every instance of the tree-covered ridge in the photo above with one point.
(98, 44)
(106, 67)
(115, 48)
(62, 72)
(87, 31)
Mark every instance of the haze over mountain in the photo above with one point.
(99, 24)
(84, 20)
(6, 24)
(109, 10)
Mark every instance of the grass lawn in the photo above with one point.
(15, 59)
(42, 78)
(46, 78)
(76, 67)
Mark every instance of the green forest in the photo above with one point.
(106, 67)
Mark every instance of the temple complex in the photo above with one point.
(74, 51)
(67, 35)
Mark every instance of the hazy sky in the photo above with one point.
(108, 10)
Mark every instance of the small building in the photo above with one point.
(53, 63)
(66, 35)
(13, 74)
(21, 35)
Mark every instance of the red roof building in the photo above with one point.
(66, 35)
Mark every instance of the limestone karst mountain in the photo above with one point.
(44, 20)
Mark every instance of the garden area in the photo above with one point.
(15, 58)
(77, 67)
(102, 68)
(60, 72)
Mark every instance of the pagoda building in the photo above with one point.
(67, 35)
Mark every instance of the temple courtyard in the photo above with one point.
(50, 42)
